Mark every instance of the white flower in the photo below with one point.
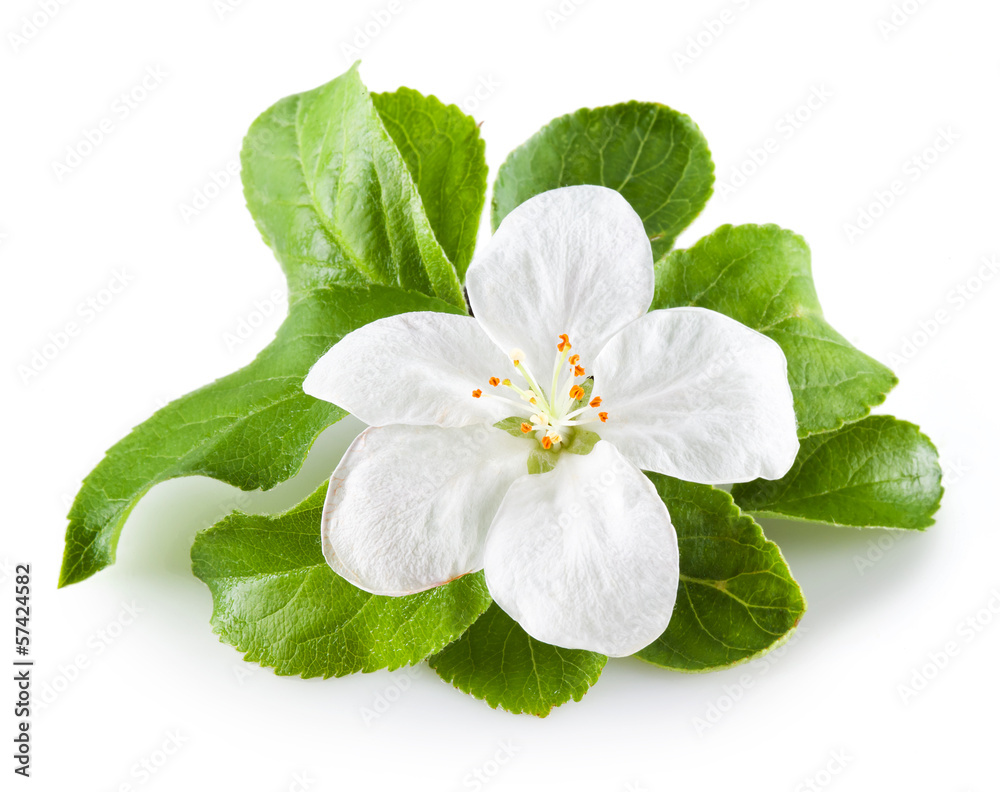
(583, 556)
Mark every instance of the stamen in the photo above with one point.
(557, 372)
(566, 420)
(517, 405)
(476, 393)
(558, 409)
(534, 390)
(525, 395)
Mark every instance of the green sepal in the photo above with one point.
(542, 461)
(512, 426)
(582, 442)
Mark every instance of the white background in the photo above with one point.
(834, 691)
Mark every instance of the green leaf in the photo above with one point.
(447, 160)
(276, 599)
(736, 599)
(655, 157)
(761, 276)
(877, 472)
(334, 198)
(498, 662)
(251, 429)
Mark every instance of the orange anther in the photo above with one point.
(476, 393)
(526, 427)
(576, 393)
(603, 417)
(564, 344)
(574, 359)
(494, 381)
(546, 442)
(595, 402)
(579, 371)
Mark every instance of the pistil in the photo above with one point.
(554, 412)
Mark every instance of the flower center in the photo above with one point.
(552, 414)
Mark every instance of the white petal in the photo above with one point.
(575, 260)
(409, 507)
(585, 557)
(696, 395)
(414, 368)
